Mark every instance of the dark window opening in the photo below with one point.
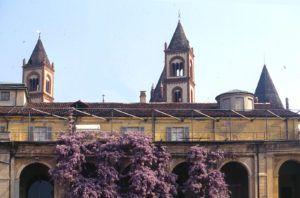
(33, 84)
(177, 96)
(4, 96)
(177, 69)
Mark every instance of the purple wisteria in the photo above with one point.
(205, 180)
(91, 165)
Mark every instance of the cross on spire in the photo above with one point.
(39, 32)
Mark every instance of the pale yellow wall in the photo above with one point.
(201, 129)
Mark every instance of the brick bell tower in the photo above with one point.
(176, 83)
(38, 75)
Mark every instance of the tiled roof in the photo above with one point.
(179, 40)
(145, 110)
(266, 91)
(38, 56)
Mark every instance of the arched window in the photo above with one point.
(33, 83)
(48, 84)
(177, 69)
(177, 95)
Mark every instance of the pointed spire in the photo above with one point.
(266, 91)
(179, 40)
(39, 56)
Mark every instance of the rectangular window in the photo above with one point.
(2, 128)
(40, 133)
(132, 129)
(239, 104)
(4, 96)
(178, 133)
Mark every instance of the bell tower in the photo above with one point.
(179, 69)
(176, 83)
(38, 75)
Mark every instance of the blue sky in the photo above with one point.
(116, 47)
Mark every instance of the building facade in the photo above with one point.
(260, 137)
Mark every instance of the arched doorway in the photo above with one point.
(289, 180)
(182, 172)
(236, 176)
(35, 182)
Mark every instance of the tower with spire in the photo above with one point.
(176, 83)
(266, 91)
(38, 75)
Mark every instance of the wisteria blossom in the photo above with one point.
(205, 180)
(90, 165)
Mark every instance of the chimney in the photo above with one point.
(52, 65)
(24, 61)
(256, 99)
(166, 45)
(287, 106)
(142, 96)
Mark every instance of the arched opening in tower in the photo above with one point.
(35, 182)
(236, 176)
(177, 95)
(289, 180)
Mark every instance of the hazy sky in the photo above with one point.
(116, 47)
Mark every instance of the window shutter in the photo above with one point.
(30, 133)
(49, 133)
(186, 133)
(169, 133)
(141, 129)
(123, 130)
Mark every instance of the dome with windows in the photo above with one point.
(237, 100)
